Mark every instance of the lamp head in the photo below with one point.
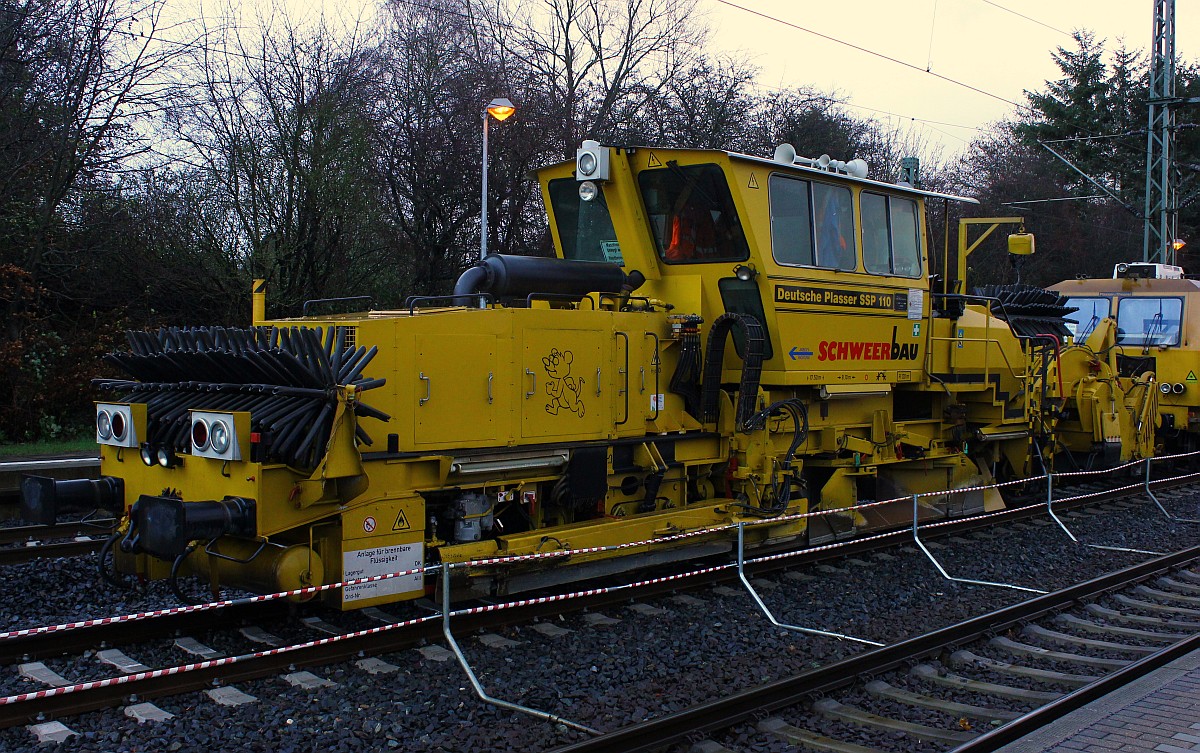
(745, 272)
(501, 108)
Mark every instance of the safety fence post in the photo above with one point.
(741, 561)
(462, 660)
(1154, 498)
(942, 570)
(1050, 506)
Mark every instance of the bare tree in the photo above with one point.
(281, 117)
(594, 59)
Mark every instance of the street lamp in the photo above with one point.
(500, 109)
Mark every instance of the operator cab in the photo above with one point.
(718, 232)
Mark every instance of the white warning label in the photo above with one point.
(365, 563)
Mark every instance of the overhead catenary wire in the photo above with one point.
(873, 53)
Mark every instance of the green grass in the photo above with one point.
(56, 447)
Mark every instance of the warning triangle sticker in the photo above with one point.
(401, 523)
(653, 161)
(1191, 377)
(753, 181)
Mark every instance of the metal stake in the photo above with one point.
(1050, 508)
(1153, 498)
(947, 575)
(741, 561)
(462, 660)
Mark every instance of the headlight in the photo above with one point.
(587, 163)
(164, 457)
(588, 190)
(147, 455)
(104, 424)
(117, 424)
(1165, 388)
(119, 427)
(220, 436)
(199, 435)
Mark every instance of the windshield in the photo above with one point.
(585, 228)
(1149, 321)
(692, 214)
(1083, 322)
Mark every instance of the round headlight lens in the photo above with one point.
(219, 432)
(118, 425)
(147, 455)
(104, 424)
(200, 435)
(163, 455)
(588, 191)
(1165, 388)
(587, 163)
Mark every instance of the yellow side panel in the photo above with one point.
(561, 371)
(457, 389)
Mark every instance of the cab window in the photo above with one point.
(1149, 321)
(812, 224)
(692, 215)
(1091, 311)
(891, 235)
(585, 228)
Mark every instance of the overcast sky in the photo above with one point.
(1000, 47)
(986, 44)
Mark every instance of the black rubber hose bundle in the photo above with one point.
(287, 378)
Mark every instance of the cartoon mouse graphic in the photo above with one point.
(564, 390)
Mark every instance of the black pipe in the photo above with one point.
(508, 275)
(42, 499)
(166, 525)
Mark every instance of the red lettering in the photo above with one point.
(887, 351)
(842, 349)
(856, 350)
(823, 351)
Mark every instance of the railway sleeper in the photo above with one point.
(957, 682)
(966, 658)
(1097, 628)
(1180, 586)
(800, 736)
(1112, 615)
(1155, 593)
(1188, 575)
(831, 709)
(1037, 652)
(1149, 606)
(1066, 639)
(907, 697)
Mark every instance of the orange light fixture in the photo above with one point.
(501, 108)
(1178, 244)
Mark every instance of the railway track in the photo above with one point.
(21, 543)
(25, 543)
(385, 636)
(1022, 666)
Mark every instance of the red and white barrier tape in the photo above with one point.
(183, 668)
(25, 632)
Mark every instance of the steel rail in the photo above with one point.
(22, 534)
(12, 555)
(722, 713)
(31, 465)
